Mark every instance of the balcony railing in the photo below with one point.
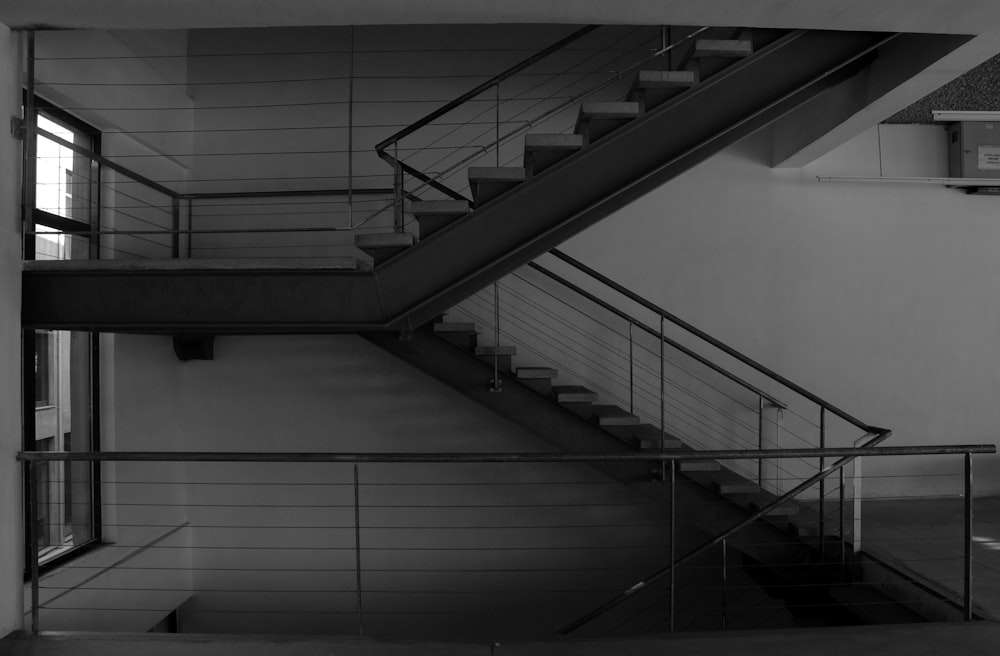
(462, 545)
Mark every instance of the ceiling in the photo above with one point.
(952, 16)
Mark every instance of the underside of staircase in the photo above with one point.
(783, 572)
(670, 121)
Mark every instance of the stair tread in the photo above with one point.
(536, 372)
(496, 174)
(611, 415)
(723, 48)
(604, 110)
(700, 465)
(666, 79)
(436, 207)
(573, 394)
(455, 327)
(553, 141)
(496, 350)
(383, 240)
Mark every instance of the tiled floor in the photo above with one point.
(926, 537)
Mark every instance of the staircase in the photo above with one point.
(721, 88)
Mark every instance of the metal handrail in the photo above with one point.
(677, 321)
(655, 333)
(392, 457)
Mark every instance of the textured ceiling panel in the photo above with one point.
(977, 90)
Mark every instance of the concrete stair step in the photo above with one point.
(650, 88)
(644, 437)
(432, 215)
(612, 415)
(535, 373)
(736, 487)
(597, 119)
(699, 466)
(725, 48)
(490, 182)
(383, 245)
(573, 394)
(455, 327)
(489, 351)
(543, 150)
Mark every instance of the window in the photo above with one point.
(61, 414)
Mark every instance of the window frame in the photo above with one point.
(60, 555)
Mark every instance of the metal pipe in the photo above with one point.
(725, 583)
(631, 372)
(223, 195)
(397, 193)
(495, 384)
(843, 537)
(31, 472)
(967, 570)
(760, 441)
(822, 484)
(175, 245)
(190, 224)
(350, 131)
(663, 396)
(396, 457)
(673, 538)
(357, 548)
(498, 125)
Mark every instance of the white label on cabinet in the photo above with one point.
(989, 158)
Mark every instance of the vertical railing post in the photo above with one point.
(498, 124)
(631, 372)
(190, 226)
(663, 414)
(496, 383)
(31, 472)
(357, 548)
(822, 484)
(175, 242)
(967, 565)
(842, 528)
(760, 441)
(673, 536)
(350, 129)
(725, 583)
(397, 190)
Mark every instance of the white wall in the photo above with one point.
(880, 298)
(10, 345)
(433, 540)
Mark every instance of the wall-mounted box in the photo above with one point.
(974, 149)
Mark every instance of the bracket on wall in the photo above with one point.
(17, 128)
(194, 347)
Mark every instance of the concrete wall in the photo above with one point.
(878, 297)
(10, 345)
(507, 547)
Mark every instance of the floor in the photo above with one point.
(922, 537)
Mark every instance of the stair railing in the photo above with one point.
(434, 180)
(845, 457)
